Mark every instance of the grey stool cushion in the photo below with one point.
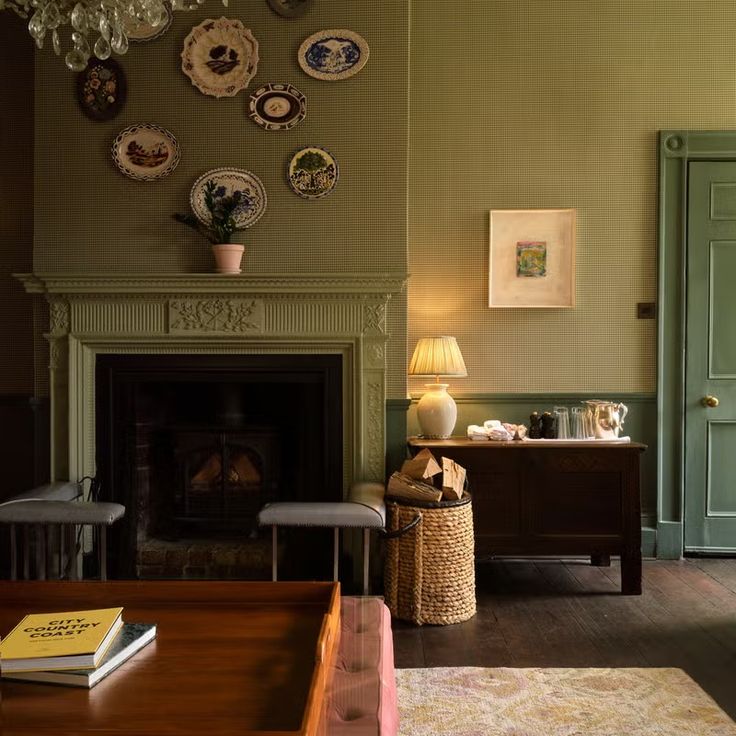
(364, 508)
(58, 491)
(40, 511)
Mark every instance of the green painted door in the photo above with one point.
(710, 360)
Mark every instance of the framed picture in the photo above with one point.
(532, 258)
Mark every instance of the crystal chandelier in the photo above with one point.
(105, 19)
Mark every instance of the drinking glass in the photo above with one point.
(579, 428)
(562, 421)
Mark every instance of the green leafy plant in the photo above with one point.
(223, 208)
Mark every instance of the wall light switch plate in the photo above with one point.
(646, 310)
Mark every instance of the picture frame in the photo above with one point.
(531, 261)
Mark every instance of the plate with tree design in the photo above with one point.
(313, 172)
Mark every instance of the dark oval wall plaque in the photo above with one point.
(290, 8)
(101, 89)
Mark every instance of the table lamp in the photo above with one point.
(436, 411)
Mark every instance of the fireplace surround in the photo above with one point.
(216, 315)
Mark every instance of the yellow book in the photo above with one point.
(56, 641)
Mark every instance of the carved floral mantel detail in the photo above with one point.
(216, 315)
(243, 315)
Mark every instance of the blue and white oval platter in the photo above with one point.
(333, 54)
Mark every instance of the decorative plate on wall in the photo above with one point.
(142, 31)
(312, 172)
(145, 152)
(101, 89)
(333, 54)
(253, 195)
(278, 106)
(290, 8)
(220, 57)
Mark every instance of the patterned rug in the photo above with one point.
(476, 701)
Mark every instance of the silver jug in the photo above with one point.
(605, 418)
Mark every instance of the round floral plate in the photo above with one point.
(141, 31)
(253, 195)
(278, 106)
(145, 152)
(220, 57)
(312, 172)
(333, 54)
(101, 89)
(290, 8)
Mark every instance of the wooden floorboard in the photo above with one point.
(552, 613)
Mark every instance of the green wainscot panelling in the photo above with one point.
(640, 425)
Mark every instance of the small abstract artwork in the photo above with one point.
(531, 259)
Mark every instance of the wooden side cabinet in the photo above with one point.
(553, 498)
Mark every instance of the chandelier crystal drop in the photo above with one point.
(96, 27)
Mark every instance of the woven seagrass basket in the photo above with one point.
(429, 575)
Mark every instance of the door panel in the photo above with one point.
(710, 370)
(722, 347)
(720, 498)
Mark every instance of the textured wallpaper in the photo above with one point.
(548, 104)
(89, 217)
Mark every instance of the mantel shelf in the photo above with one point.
(212, 283)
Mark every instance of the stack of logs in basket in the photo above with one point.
(415, 479)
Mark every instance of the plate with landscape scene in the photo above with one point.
(253, 198)
(333, 54)
(220, 57)
(145, 152)
(312, 172)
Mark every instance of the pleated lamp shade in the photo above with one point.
(436, 410)
(437, 356)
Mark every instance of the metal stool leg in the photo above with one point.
(336, 554)
(274, 553)
(13, 553)
(366, 557)
(103, 553)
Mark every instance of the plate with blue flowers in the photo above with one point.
(252, 195)
(333, 54)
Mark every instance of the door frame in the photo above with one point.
(677, 148)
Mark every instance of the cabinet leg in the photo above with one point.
(631, 573)
(599, 560)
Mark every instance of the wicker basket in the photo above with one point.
(429, 576)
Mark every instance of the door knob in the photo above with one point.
(710, 401)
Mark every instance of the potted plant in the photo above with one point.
(222, 208)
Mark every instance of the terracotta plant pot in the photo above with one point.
(228, 257)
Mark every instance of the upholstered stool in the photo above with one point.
(364, 509)
(41, 512)
(361, 699)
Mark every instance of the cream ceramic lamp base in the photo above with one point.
(436, 412)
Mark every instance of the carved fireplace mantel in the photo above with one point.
(93, 314)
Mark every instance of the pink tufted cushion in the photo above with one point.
(362, 699)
